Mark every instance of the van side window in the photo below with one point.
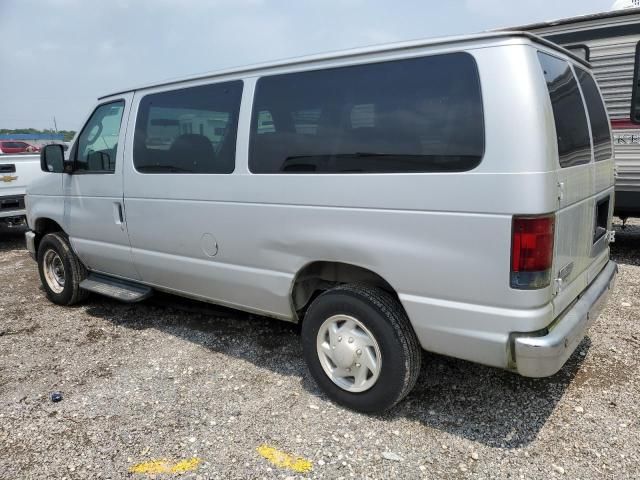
(574, 144)
(191, 130)
(635, 99)
(98, 142)
(411, 115)
(597, 116)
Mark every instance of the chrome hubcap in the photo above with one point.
(348, 353)
(53, 271)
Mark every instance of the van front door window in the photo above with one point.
(98, 142)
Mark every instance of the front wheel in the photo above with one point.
(360, 347)
(60, 270)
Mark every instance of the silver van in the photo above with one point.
(452, 195)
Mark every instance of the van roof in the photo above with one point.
(356, 52)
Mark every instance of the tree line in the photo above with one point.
(68, 134)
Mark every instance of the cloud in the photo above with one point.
(522, 12)
(485, 7)
(76, 50)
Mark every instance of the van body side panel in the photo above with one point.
(279, 239)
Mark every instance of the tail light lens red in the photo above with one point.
(532, 252)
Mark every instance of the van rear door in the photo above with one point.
(585, 178)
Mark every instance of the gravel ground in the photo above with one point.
(173, 381)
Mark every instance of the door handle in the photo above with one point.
(117, 214)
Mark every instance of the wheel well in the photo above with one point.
(44, 226)
(318, 277)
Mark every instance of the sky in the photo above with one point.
(58, 56)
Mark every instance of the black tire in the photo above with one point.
(74, 270)
(382, 314)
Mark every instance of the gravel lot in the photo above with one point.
(173, 381)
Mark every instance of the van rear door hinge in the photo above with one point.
(611, 236)
(560, 191)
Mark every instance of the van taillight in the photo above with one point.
(532, 252)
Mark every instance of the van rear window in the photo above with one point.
(572, 132)
(597, 116)
(414, 115)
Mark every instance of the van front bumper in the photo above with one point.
(544, 355)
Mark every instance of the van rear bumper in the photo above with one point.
(544, 355)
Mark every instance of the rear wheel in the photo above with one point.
(360, 347)
(60, 270)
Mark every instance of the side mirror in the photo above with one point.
(52, 159)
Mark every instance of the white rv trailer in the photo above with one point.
(610, 41)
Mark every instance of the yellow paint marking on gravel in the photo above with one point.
(163, 466)
(284, 460)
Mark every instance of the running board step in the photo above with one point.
(122, 290)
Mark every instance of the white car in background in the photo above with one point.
(16, 173)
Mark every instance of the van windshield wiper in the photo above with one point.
(162, 168)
